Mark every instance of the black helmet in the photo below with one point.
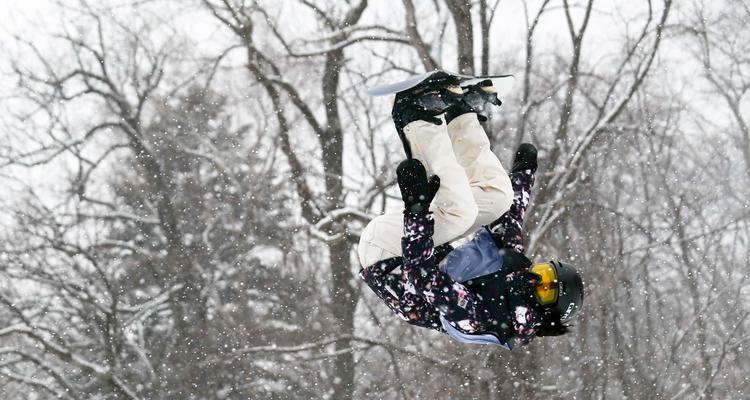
(560, 288)
(570, 298)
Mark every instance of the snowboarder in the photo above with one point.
(485, 291)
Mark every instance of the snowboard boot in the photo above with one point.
(477, 98)
(425, 102)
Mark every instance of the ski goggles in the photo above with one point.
(547, 289)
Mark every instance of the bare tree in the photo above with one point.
(140, 266)
(326, 210)
(566, 156)
(199, 245)
(720, 46)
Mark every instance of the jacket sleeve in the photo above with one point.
(422, 278)
(507, 231)
(390, 288)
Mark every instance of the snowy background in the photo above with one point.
(184, 183)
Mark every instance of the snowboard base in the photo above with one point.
(503, 83)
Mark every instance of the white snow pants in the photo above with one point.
(474, 187)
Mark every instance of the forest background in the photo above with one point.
(185, 183)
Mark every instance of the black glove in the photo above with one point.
(525, 158)
(416, 191)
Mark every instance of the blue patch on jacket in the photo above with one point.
(482, 338)
(477, 258)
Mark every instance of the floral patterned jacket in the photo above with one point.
(496, 308)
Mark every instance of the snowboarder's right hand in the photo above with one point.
(416, 191)
(525, 158)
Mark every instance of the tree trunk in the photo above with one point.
(342, 293)
(461, 12)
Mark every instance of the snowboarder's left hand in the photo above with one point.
(416, 191)
(525, 158)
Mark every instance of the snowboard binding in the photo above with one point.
(480, 97)
(477, 98)
(425, 101)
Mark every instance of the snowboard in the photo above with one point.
(503, 83)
